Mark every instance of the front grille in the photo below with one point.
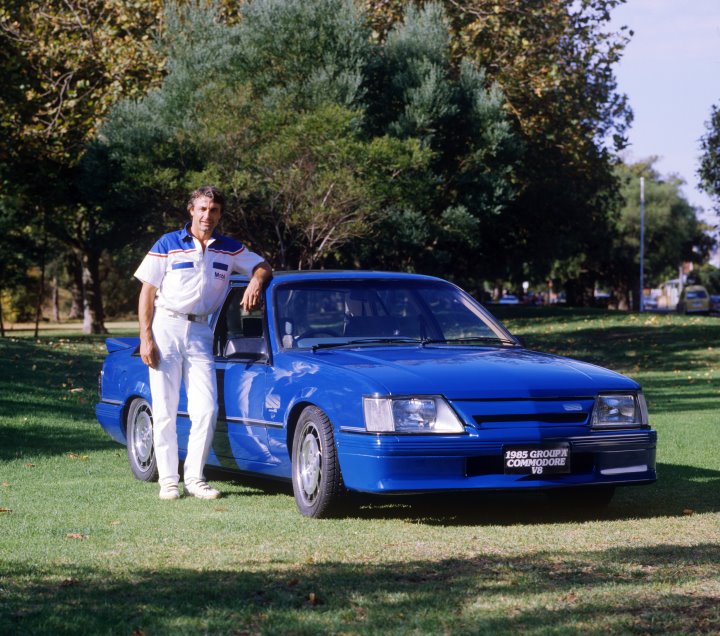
(543, 418)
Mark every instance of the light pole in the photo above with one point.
(642, 244)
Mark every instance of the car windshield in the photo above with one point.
(320, 314)
(697, 293)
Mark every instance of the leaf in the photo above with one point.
(5, 510)
(77, 390)
(76, 535)
(69, 583)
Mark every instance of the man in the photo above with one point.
(185, 277)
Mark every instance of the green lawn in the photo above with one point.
(84, 548)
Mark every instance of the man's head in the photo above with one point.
(205, 207)
(211, 192)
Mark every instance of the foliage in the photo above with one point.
(415, 90)
(710, 160)
(553, 62)
(312, 151)
(673, 234)
(85, 548)
(64, 64)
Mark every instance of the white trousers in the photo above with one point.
(185, 354)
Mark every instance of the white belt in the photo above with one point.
(182, 316)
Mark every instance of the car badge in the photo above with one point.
(572, 407)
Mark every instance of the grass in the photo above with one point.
(84, 548)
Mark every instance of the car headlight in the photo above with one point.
(620, 411)
(417, 414)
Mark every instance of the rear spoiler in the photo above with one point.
(118, 344)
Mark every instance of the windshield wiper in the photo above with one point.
(472, 339)
(367, 341)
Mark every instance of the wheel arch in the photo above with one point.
(292, 421)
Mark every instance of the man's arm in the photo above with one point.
(252, 298)
(146, 308)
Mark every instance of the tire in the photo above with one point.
(316, 479)
(140, 449)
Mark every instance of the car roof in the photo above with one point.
(328, 274)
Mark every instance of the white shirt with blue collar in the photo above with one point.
(191, 281)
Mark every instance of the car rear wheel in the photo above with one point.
(316, 478)
(140, 449)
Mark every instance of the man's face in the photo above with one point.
(205, 215)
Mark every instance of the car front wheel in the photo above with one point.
(141, 452)
(316, 478)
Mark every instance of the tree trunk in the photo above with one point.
(41, 285)
(74, 270)
(2, 324)
(56, 299)
(93, 314)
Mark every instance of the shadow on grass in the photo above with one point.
(680, 491)
(623, 590)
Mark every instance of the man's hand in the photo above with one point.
(149, 353)
(252, 298)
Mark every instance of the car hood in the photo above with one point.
(474, 373)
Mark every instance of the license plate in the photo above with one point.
(537, 460)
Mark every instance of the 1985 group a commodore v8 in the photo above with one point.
(392, 383)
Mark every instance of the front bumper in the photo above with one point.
(384, 464)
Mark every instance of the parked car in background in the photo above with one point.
(392, 383)
(509, 299)
(694, 299)
(715, 303)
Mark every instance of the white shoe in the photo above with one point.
(169, 491)
(201, 490)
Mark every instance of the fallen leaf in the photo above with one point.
(292, 582)
(138, 632)
(5, 484)
(69, 583)
(114, 523)
(77, 390)
(29, 465)
(5, 510)
(688, 511)
(76, 535)
(314, 599)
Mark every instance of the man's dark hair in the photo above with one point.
(211, 192)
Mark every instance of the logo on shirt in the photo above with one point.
(220, 275)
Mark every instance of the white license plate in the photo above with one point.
(537, 460)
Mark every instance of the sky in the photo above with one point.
(671, 74)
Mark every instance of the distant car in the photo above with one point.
(715, 303)
(694, 299)
(650, 302)
(509, 299)
(391, 383)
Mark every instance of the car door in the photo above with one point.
(241, 360)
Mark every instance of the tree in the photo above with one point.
(309, 154)
(65, 63)
(673, 233)
(553, 63)
(709, 172)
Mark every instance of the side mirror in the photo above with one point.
(246, 349)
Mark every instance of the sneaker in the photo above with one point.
(201, 490)
(169, 491)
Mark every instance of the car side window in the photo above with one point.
(239, 333)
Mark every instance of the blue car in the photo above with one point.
(392, 383)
